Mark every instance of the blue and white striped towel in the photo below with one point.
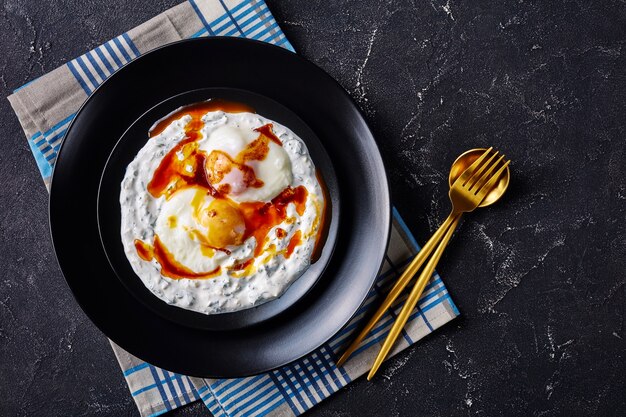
(45, 108)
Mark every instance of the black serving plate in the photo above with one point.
(109, 209)
(292, 89)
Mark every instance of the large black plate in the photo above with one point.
(323, 106)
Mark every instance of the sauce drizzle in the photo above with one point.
(261, 217)
(169, 266)
(296, 239)
(197, 110)
(174, 173)
(186, 166)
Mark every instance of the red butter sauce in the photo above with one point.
(266, 130)
(296, 239)
(261, 217)
(172, 174)
(197, 110)
(170, 267)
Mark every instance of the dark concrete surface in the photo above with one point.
(539, 278)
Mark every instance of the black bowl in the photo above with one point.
(109, 209)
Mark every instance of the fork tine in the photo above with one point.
(470, 169)
(485, 176)
(478, 174)
(482, 192)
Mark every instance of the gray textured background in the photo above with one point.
(539, 278)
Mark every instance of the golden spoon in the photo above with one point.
(471, 166)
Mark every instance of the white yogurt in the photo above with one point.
(225, 292)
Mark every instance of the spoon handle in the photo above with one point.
(400, 284)
(412, 300)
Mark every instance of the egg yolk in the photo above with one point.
(219, 164)
(225, 223)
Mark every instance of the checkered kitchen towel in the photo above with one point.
(45, 108)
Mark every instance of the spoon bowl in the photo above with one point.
(464, 161)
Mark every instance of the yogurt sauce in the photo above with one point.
(272, 272)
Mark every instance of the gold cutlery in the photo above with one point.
(473, 183)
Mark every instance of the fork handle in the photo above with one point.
(413, 298)
(400, 284)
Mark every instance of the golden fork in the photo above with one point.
(466, 193)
